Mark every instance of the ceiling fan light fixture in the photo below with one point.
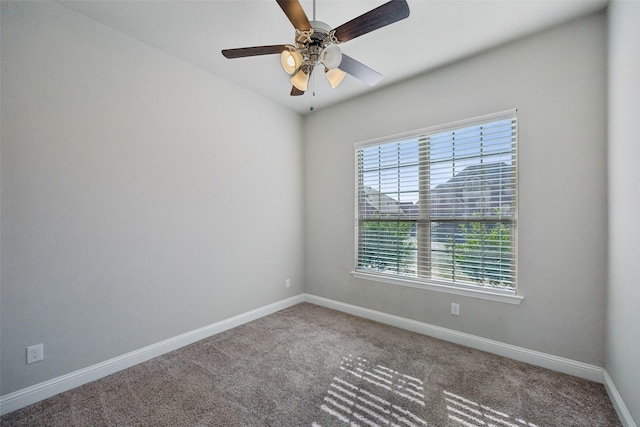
(300, 80)
(331, 56)
(290, 60)
(335, 76)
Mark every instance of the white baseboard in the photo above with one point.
(618, 403)
(560, 364)
(27, 396)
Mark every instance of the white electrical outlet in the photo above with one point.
(35, 353)
(455, 309)
(287, 283)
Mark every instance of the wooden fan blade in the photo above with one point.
(242, 52)
(295, 13)
(296, 92)
(388, 13)
(359, 70)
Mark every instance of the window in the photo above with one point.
(439, 206)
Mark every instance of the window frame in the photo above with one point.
(510, 296)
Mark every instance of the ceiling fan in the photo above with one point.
(316, 43)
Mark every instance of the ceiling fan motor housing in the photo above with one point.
(319, 45)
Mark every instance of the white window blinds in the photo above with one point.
(440, 204)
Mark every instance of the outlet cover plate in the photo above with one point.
(455, 309)
(35, 353)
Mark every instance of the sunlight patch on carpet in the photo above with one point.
(366, 394)
(468, 413)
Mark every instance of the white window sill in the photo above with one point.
(467, 291)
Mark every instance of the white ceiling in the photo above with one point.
(436, 33)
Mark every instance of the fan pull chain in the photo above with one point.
(313, 86)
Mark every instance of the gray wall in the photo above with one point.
(557, 81)
(623, 317)
(141, 196)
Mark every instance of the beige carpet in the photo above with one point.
(311, 366)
